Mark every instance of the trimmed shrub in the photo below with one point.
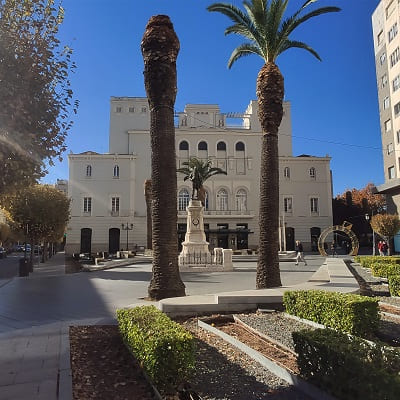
(346, 366)
(349, 313)
(394, 285)
(366, 261)
(165, 350)
(384, 270)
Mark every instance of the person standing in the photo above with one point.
(380, 248)
(299, 253)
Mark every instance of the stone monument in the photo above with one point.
(195, 251)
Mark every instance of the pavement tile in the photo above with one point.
(36, 375)
(7, 377)
(23, 391)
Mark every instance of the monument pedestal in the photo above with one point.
(195, 251)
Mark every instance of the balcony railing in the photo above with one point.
(222, 212)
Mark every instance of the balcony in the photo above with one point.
(222, 213)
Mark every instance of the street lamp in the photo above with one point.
(127, 227)
(373, 233)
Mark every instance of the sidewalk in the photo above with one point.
(35, 361)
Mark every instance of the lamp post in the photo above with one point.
(127, 227)
(373, 233)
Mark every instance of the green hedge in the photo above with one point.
(164, 348)
(384, 270)
(349, 313)
(394, 285)
(366, 261)
(348, 367)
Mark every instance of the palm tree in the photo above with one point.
(148, 198)
(198, 171)
(160, 47)
(267, 32)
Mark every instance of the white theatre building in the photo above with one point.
(107, 190)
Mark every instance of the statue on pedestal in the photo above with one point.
(195, 247)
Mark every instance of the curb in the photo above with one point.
(299, 383)
(65, 373)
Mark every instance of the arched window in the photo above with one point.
(313, 174)
(202, 146)
(184, 145)
(241, 200)
(239, 146)
(222, 200)
(286, 172)
(221, 146)
(183, 199)
(88, 170)
(116, 171)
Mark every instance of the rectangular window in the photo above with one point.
(386, 103)
(131, 109)
(115, 204)
(314, 205)
(390, 148)
(394, 57)
(144, 109)
(396, 109)
(288, 204)
(396, 83)
(87, 205)
(390, 8)
(383, 58)
(391, 173)
(380, 37)
(384, 81)
(118, 109)
(392, 32)
(388, 125)
(398, 136)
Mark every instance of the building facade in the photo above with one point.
(385, 25)
(107, 190)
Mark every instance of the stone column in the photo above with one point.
(227, 259)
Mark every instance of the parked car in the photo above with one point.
(3, 252)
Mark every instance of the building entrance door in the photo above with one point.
(86, 240)
(113, 240)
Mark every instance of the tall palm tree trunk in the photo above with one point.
(270, 92)
(149, 198)
(160, 47)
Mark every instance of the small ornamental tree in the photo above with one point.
(41, 211)
(386, 225)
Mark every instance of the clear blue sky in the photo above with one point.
(334, 102)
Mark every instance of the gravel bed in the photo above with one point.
(225, 373)
(275, 325)
(393, 301)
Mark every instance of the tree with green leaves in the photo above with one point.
(268, 34)
(36, 99)
(41, 211)
(160, 47)
(198, 171)
(387, 226)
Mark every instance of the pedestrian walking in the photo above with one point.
(299, 253)
(384, 248)
(380, 243)
(333, 249)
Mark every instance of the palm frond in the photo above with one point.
(243, 50)
(300, 45)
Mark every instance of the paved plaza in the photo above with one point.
(36, 311)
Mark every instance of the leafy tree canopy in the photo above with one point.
(43, 209)
(387, 225)
(365, 198)
(35, 92)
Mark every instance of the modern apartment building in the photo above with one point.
(385, 26)
(107, 190)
